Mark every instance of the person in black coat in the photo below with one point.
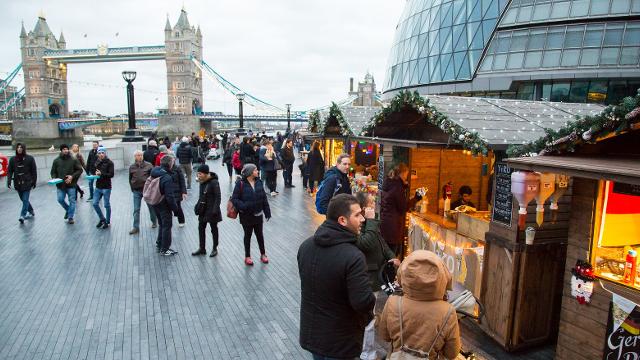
(315, 166)
(151, 153)
(250, 199)
(247, 153)
(208, 209)
(185, 158)
(166, 206)
(337, 301)
(90, 167)
(288, 158)
(23, 172)
(180, 192)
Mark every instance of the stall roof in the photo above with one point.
(356, 116)
(501, 121)
(622, 169)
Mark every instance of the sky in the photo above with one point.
(281, 51)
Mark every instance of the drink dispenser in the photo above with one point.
(547, 186)
(562, 185)
(524, 187)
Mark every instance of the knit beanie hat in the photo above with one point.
(101, 150)
(153, 143)
(248, 169)
(163, 149)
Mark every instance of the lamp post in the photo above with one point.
(288, 119)
(131, 134)
(240, 97)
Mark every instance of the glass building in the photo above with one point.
(558, 50)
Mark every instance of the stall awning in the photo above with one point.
(620, 169)
(398, 142)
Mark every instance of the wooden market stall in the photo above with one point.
(448, 142)
(335, 132)
(599, 284)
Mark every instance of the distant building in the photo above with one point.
(366, 92)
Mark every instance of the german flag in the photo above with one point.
(620, 225)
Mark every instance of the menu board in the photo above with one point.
(503, 199)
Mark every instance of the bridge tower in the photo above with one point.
(45, 81)
(184, 80)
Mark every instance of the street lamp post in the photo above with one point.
(240, 97)
(288, 119)
(131, 134)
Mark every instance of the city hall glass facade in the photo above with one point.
(558, 50)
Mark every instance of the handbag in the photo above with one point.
(232, 212)
(406, 353)
(277, 165)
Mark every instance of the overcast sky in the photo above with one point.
(282, 51)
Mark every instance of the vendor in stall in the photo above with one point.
(464, 197)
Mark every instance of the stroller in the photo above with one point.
(465, 303)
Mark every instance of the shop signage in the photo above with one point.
(622, 340)
(502, 197)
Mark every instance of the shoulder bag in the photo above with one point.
(232, 212)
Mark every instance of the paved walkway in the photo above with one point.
(76, 292)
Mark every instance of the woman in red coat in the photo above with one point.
(394, 206)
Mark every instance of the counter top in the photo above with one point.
(435, 218)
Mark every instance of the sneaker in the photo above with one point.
(21, 219)
(199, 252)
(154, 225)
(168, 253)
(105, 225)
(273, 193)
(134, 231)
(214, 253)
(90, 199)
(71, 221)
(100, 223)
(264, 259)
(180, 224)
(29, 215)
(277, 192)
(248, 261)
(66, 215)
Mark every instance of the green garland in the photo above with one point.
(470, 140)
(336, 113)
(314, 121)
(613, 119)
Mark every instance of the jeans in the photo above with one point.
(100, 193)
(202, 233)
(187, 171)
(288, 173)
(163, 213)
(137, 202)
(26, 205)
(70, 193)
(91, 187)
(248, 230)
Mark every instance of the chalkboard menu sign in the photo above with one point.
(503, 199)
(380, 170)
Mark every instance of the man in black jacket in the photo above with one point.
(151, 153)
(104, 169)
(337, 301)
(208, 209)
(22, 170)
(288, 158)
(166, 206)
(185, 157)
(92, 157)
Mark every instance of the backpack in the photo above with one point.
(319, 207)
(151, 191)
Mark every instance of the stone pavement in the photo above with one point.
(76, 292)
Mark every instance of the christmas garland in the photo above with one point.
(314, 121)
(336, 113)
(613, 119)
(407, 100)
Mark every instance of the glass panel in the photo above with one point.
(609, 56)
(617, 91)
(532, 60)
(551, 58)
(536, 39)
(570, 57)
(597, 92)
(635, 6)
(613, 36)
(560, 92)
(579, 8)
(499, 62)
(525, 14)
(486, 64)
(593, 36)
(504, 40)
(510, 17)
(632, 35)
(515, 60)
(519, 40)
(560, 10)
(546, 91)
(629, 56)
(555, 38)
(599, 7)
(423, 69)
(578, 92)
(590, 57)
(573, 37)
(525, 91)
(620, 6)
(541, 12)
